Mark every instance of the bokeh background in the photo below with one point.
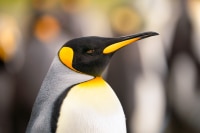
(156, 79)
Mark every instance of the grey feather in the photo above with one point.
(58, 78)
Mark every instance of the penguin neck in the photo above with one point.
(62, 70)
(58, 79)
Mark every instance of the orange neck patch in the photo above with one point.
(96, 83)
(66, 55)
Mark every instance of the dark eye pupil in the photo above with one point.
(91, 51)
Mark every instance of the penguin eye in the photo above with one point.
(90, 51)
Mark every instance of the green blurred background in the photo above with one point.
(156, 79)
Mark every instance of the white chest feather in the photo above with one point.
(91, 107)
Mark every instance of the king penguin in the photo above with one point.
(74, 98)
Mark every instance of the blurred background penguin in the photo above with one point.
(158, 84)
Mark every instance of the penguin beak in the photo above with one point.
(125, 40)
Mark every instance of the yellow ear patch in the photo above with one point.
(116, 46)
(66, 55)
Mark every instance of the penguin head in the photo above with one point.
(90, 55)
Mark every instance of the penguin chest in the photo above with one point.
(91, 107)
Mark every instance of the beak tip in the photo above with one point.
(154, 33)
(148, 34)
